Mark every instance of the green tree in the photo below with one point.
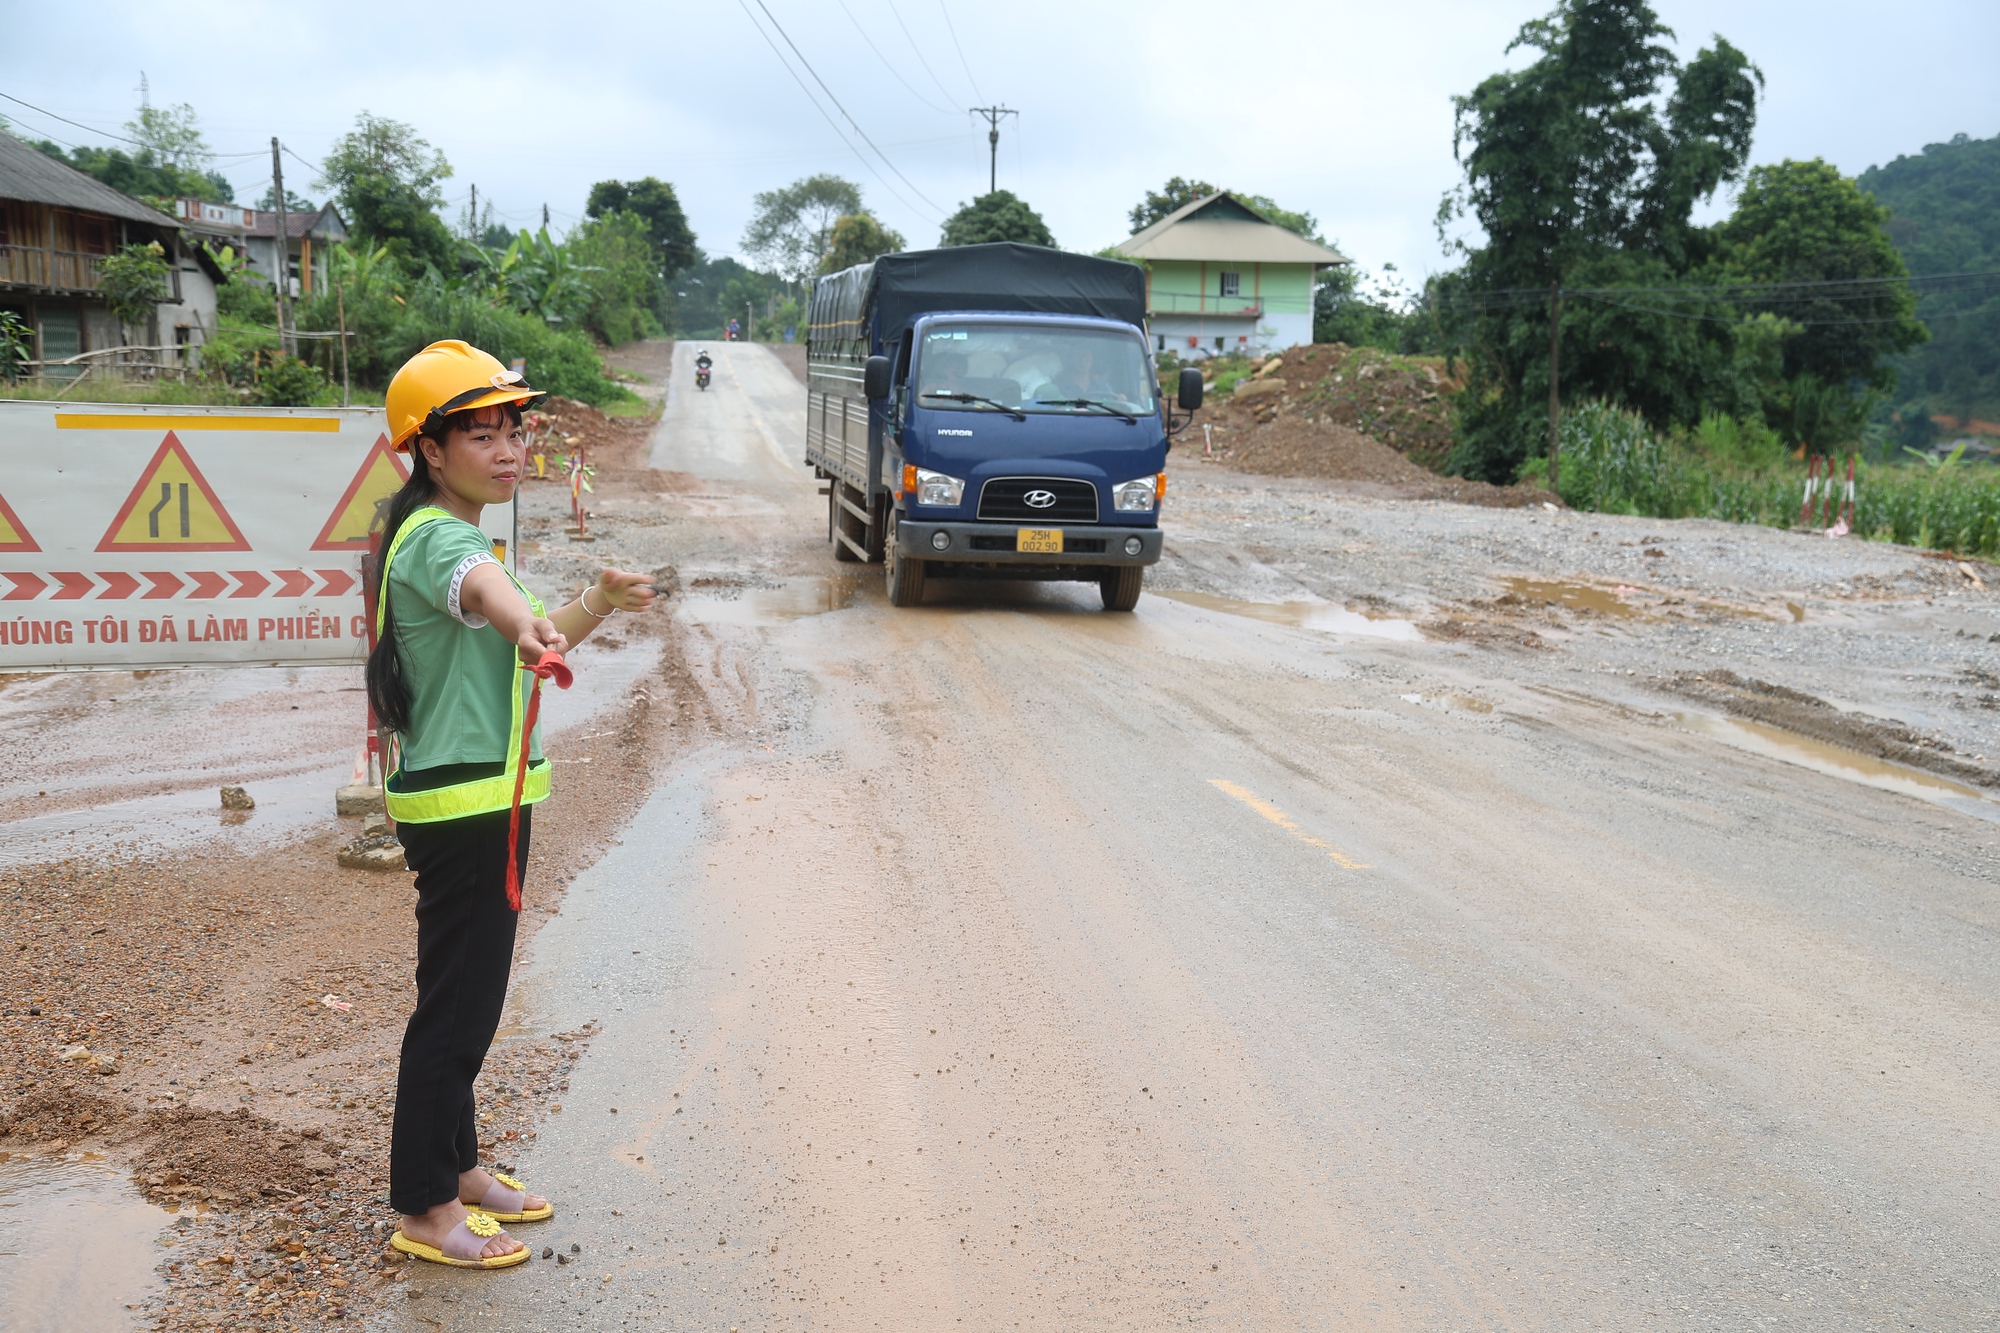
(17, 345)
(386, 177)
(858, 238)
(789, 228)
(1174, 195)
(1579, 172)
(1945, 218)
(1805, 222)
(133, 282)
(142, 175)
(1303, 224)
(666, 222)
(998, 216)
(172, 134)
(620, 267)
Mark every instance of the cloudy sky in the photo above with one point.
(1336, 107)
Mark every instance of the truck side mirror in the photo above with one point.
(875, 378)
(1190, 394)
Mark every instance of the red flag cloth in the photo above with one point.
(551, 667)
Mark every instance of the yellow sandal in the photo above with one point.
(504, 1199)
(461, 1249)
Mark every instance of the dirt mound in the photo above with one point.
(1778, 706)
(1349, 414)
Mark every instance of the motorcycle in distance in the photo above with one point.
(701, 365)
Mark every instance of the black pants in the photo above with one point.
(465, 946)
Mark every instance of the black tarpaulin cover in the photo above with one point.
(1004, 276)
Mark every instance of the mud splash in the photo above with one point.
(77, 1245)
(1321, 616)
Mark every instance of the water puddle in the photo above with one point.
(1575, 596)
(1322, 616)
(792, 600)
(1838, 762)
(1450, 703)
(153, 824)
(77, 1246)
(605, 676)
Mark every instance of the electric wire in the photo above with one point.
(832, 124)
(961, 51)
(843, 110)
(67, 121)
(898, 74)
(918, 52)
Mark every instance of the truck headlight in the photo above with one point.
(935, 488)
(1139, 496)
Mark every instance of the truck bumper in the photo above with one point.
(993, 544)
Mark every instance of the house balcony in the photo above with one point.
(1189, 303)
(50, 270)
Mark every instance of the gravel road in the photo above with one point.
(1359, 934)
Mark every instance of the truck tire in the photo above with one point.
(1120, 587)
(845, 523)
(904, 576)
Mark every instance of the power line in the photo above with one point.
(918, 52)
(67, 121)
(832, 124)
(941, 110)
(843, 110)
(961, 51)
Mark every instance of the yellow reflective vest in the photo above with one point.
(482, 795)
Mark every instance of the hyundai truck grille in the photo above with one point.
(1064, 500)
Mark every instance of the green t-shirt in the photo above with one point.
(459, 667)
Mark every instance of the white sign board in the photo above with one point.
(141, 537)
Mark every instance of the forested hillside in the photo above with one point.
(1945, 218)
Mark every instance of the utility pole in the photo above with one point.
(1555, 374)
(993, 114)
(284, 265)
(545, 217)
(472, 227)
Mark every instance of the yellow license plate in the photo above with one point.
(1040, 541)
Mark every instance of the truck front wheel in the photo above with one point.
(905, 576)
(1120, 587)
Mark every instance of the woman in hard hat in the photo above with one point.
(455, 629)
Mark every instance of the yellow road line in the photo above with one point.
(148, 421)
(1284, 821)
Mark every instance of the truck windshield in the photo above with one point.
(1031, 368)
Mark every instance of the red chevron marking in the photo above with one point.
(73, 586)
(117, 586)
(27, 587)
(337, 582)
(207, 584)
(249, 583)
(293, 582)
(164, 584)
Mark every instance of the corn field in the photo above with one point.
(1613, 463)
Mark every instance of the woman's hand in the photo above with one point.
(539, 637)
(624, 591)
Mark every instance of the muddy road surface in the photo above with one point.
(1333, 942)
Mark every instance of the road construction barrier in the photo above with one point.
(144, 537)
(1823, 493)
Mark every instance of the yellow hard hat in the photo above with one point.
(447, 377)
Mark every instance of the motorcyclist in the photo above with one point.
(702, 362)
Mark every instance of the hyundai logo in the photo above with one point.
(1039, 499)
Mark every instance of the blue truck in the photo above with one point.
(991, 411)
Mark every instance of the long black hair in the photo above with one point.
(387, 675)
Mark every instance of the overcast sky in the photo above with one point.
(1334, 107)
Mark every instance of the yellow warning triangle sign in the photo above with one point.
(13, 533)
(380, 475)
(173, 508)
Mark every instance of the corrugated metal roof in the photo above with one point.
(299, 224)
(33, 176)
(1227, 237)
